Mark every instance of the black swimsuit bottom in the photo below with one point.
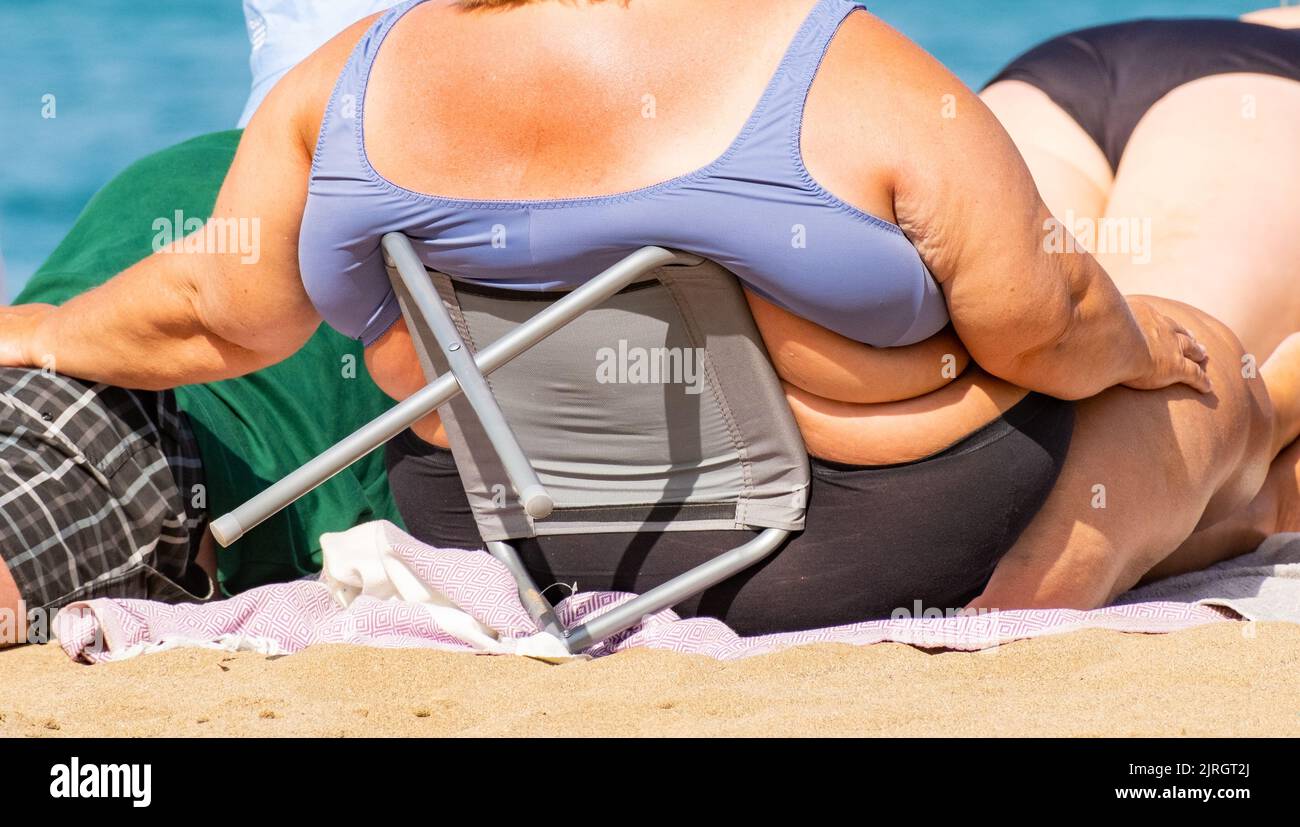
(878, 539)
(1107, 77)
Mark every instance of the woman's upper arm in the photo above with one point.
(258, 301)
(251, 294)
(963, 196)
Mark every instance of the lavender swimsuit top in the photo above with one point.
(755, 210)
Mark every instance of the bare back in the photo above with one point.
(581, 100)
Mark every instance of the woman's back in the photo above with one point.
(655, 122)
(804, 248)
(559, 100)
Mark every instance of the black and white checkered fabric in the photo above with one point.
(100, 492)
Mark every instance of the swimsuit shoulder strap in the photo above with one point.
(772, 131)
(339, 147)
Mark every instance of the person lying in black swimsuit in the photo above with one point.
(1187, 130)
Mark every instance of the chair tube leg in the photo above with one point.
(535, 603)
(410, 270)
(629, 614)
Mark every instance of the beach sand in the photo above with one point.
(1226, 679)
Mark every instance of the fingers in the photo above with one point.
(1194, 357)
(1193, 362)
(1178, 357)
(1196, 377)
(1191, 348)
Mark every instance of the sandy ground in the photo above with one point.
(1224, 679)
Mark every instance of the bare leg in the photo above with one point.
(1145, 471)
(1277, 16)
(1276, 508)
(1183, 485)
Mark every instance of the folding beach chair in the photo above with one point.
(642, 401)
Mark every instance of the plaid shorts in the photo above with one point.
(101, 492)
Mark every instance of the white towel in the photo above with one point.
(362, 562)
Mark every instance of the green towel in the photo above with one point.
(255, 429)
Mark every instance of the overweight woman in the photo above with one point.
(584, 130)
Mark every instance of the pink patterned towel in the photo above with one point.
(380, 587)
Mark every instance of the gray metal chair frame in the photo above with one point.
(467, 375)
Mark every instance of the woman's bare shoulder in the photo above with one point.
(873, 109)
(881, 81)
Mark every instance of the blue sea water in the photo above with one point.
(132, 76)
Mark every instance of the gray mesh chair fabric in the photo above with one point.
(656, 411)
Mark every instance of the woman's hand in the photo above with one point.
(1173, 355)
(16, 326)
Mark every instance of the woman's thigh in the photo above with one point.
(1202, 207)
(1207, 193)
(1145, 469)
